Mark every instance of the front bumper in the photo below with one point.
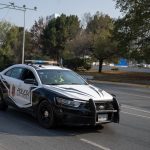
(88, 114)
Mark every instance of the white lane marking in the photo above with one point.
(124, 112)
(134, 108)
(94, 144)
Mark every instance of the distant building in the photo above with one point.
(55, 15)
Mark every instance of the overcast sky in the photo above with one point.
(48, 7)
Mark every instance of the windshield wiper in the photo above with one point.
(75, 83)
(63, 84)
(54, 84)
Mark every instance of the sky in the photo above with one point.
(49, 7)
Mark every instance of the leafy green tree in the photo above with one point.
(104, 49)
(101, 26)
(49, 41)
(5, 50)
(11, 44)
(4, 29)
(14, 42)
(133, 30)
(57, 33)
(98, 23)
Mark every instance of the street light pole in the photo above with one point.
(23, 42)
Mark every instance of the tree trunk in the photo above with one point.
(100, 65)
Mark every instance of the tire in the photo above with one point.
(45, 115)
(3, 105)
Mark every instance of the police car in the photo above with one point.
(54, 94)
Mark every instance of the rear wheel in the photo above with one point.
(45, 114)
(3, 105)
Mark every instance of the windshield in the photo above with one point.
(59, 77)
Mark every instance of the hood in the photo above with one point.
(81, 92)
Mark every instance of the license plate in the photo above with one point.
(102, 117)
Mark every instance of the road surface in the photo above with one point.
(19, 131)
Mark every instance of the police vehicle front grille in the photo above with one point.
(104, 106)
(101, 106)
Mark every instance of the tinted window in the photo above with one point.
(14, 72)
(8, 73)
(27, 74)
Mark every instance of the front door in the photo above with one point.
(24, 91)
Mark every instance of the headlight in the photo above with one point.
(72, 103)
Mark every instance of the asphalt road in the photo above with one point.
(19, 131)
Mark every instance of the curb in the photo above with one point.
(118, 83)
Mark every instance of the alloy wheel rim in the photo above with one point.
(45, 115)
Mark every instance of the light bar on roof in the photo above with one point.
(50, 62)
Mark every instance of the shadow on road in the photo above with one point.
(14, 122)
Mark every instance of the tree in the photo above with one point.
(101, 26)
(36, 33)
(133, 30)
(14, 42)
(5, 49)
(4, 29)
(104, 49)
(80, 45)
(57, 33)
(11, 44)
(34, 45)
(99, 22)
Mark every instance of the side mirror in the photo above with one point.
(30, 81)
(86, 77)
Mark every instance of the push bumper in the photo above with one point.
(88, 116)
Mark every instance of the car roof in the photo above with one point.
(39, 66)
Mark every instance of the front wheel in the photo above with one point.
(45, 114)
(3, 105)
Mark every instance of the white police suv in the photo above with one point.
(55, 94)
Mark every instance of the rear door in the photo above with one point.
(11, 81)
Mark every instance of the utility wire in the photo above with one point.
(13, 6)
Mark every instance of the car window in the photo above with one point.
(14, 72)
(27, 74)
(8, 73)
(59, 77)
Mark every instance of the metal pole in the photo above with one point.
(23, 44)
